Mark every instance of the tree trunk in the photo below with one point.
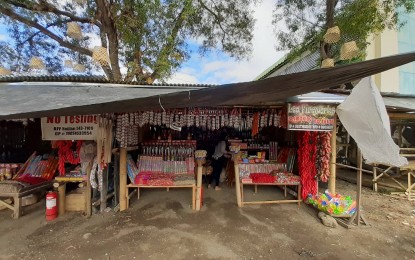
(325, 47)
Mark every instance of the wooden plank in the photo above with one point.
(7, 205)
(271, 202)
(61, 198)
(123, 178)
(17, 207)
(88, 193)
(333, 156)
(199, 186)
(104, 190)
(237, 185)
(359, 186)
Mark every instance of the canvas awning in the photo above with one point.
(364, 116)
(262, 92)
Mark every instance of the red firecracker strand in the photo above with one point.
(307, 162)
(324, 152)
(262, 178)
(66, 154)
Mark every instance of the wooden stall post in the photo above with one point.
(199, 183)
(104, 190)
(237, 181)
(359, 186)
(123, 179)
(62, 197)
(332, 179)
(88, 192)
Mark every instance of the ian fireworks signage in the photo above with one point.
(310, 116)
(69, 127)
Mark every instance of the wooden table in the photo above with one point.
(298, 200)
(139, 186)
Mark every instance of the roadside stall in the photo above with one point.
(83, 145)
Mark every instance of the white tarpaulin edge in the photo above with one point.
(365, 118)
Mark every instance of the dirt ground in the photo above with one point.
(161, 225)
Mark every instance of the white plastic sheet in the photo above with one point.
(364, 116)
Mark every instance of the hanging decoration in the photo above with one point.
(87, 153)
(68, 64)
(67, 154)
(104, 139)
(79, 68)
(327, 63)
(332, 35)
(307, 162)
(100, 55)
(323, 155)
(4, 71)
(206, 118)
(349, 51)
(36, 63)
(74, 31)
(96, 174)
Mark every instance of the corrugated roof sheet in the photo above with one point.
(96, 98)
(87, 79)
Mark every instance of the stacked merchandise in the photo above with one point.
(154, 171)
(267, 173)
(333, 204)
(38, 170)
(8, 170)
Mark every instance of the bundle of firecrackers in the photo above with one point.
(200, 154)
(333, 204)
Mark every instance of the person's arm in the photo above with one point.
(223, 150)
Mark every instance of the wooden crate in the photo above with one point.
(76, 200)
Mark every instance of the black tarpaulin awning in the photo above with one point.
(259, 92)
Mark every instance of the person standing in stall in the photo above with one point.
(219, 160)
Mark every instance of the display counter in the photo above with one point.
(268, 174)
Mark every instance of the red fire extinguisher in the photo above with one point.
(51, 205)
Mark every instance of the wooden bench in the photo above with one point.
(16, 207)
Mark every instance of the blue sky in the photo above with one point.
(218, 68)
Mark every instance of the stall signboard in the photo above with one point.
(69, 127)
(311, 116)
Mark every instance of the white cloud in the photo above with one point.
(4, 37)
(225, 70)
(186, 76)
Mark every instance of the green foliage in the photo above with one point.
(148, 37)
(306, 21)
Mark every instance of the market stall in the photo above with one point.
(83, 145)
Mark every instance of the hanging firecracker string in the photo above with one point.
(307, 162)
(67, 155)
(324, 152)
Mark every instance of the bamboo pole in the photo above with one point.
(332, 179)
(359, 187)
(88, 199)
(199, 186)
(123, 179)
(237, 185)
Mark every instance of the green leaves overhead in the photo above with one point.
(306, 21)
(148, 37)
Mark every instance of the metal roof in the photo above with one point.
(29, 99)
(88, 79)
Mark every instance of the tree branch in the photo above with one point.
(168, 47)
(47, 26)
(108, 27)
(13, 15)
(217, 18)
(45, 7)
